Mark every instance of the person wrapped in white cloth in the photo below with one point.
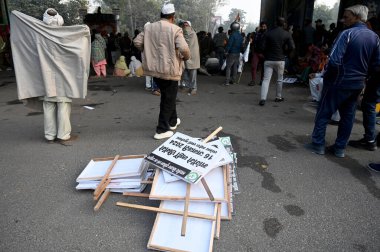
(57, 109)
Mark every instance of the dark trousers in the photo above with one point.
(219, 53)
(232, 65)
(168, 112)
(257, 58)
(332, 99)
(368, 107)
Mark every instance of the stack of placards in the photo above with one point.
(183, 162)
(126, 175)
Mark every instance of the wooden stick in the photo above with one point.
(167, 211)
(105, 195)
(136, 194)
(99, 189)
(208, 191)
(212, 134)
(102, 188)
(186, 210)
(120, 158)
(147, 182)
(218, 215)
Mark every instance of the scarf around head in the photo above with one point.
(120, 63)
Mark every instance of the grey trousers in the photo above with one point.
(269, 67)
(189, 78)
(232, 61)
(57, 120)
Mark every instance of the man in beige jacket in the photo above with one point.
(164, 48)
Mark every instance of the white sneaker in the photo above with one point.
(164, 135)
(178, 123)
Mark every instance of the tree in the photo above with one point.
(232, 16)
(134, 13)
(69, 10)
(322, 12)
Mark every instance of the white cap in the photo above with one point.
(168, 8)
(55, 20)
(188, 22)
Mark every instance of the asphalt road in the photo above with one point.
(290, 200)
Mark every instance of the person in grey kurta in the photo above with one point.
(57, 109)
(189, 76)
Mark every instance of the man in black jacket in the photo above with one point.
(276, 44)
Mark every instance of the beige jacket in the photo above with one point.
(164, 48)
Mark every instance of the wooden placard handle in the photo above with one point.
(186, 210)
(167, 211)
(105, 195)
(100, 188)
(212, 134)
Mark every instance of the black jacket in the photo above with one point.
(277, 43)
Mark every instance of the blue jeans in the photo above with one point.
(332, 99)
(368, 106)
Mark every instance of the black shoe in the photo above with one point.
(261, 83)
(262, 103)
(315, 148)
(333, 122)
(279, 99)
(363, 144)
(337, 152)
(252, 83)
(374, 167)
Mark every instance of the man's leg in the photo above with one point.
(235, 66)
(192, 79)
(327, 106)
(268, 71)
(255, 63)
(368, 107)
(347, 111)
(50, 120)
(280, 66)
(63, 117)
(229, 64)
(168, 112)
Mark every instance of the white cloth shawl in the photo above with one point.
(49, 60)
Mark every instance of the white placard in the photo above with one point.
(166, 233)
(185, 157)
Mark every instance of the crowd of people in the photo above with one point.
(338, 64)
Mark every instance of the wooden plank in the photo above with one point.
(186, 210)
(207, 189)
(218, 214)
(100, 188)
(209, 193)
(212, 134)
(120, 158)
(105, 195)
(167, 211)
(136, 194)
(148, 182)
